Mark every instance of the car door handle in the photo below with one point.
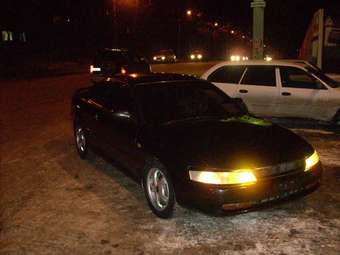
(243, 91)
(285, 94)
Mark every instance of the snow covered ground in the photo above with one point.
(51, 202)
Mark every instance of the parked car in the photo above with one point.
(185, 141)
(164, 56)
(279, 88)
(109, 62)
(196, 55)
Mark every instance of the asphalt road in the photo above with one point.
(52, 202)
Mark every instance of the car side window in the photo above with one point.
(260, 76)
(292, 77)
(227, 74)
(113, 97)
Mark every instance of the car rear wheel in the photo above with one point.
(81, 141)
(158, 189)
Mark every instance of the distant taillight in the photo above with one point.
(94, 69)
(122, 70)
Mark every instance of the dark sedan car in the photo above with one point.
(186, 141)
(110, 62)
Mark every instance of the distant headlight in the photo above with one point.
(163, 57)
(311, 161)
(192, 56)
(154, 58)
(199, 56)
(242, 176)
(235, 58)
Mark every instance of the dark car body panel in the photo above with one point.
(276, 154)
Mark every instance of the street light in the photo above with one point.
(189, 12)
(216, 24)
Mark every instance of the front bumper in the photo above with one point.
(243, 197)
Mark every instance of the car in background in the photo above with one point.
(110, 62)
(186, 141)
(279, 89)
(196, 55)
(164, 56)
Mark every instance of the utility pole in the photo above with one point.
(115, 26)
(321, 23)
(258, 27)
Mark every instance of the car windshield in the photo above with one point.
(179, 101)
(320, 74)
(165, 52)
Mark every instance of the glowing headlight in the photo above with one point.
(155, 58)
(311, 161)
(199, 56)
(268, 58)
(163, 57)
(123, 70)
(192, 56)
(235, 58)
(242, 176)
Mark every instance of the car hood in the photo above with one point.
(229, 144)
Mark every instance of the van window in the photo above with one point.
(227, 74)
(260, 76)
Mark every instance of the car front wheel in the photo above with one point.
(81, 141)
(159, 190)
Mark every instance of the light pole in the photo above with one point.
(115, 27)
(258, 27)
(189, 13)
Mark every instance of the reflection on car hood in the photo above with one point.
(229, 144)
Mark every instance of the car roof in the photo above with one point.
(148, 78)
(297, 63)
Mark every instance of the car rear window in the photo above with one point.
(120, 57)
(227, 74)
(260, 76)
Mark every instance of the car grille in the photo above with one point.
(280, 169)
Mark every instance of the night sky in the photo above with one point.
(156, 23)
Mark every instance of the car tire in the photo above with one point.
(158, 189)
(80, 140)
(336, 119)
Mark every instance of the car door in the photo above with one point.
(226, 78)
(301, 94)
(258, 90)
(118, 128)
(89, 107)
